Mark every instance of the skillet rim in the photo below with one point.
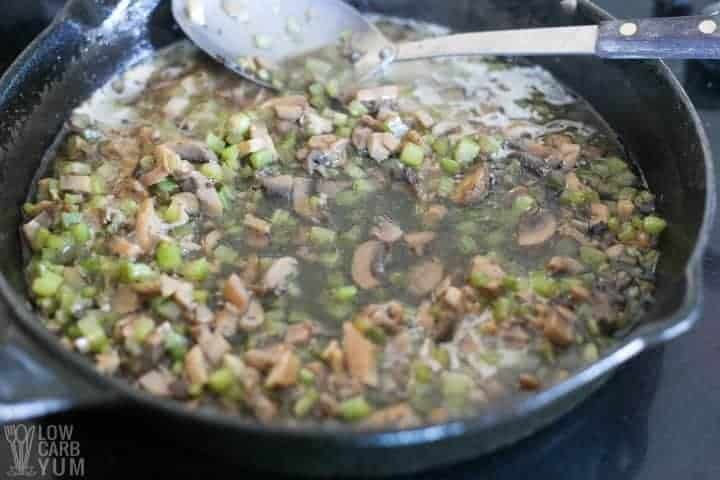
(645, 337)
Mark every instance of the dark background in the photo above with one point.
(657, 419)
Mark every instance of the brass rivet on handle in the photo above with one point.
(628, 29)
(708, 26)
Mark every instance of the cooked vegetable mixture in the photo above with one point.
(457, 233)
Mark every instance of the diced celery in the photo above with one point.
(450, 166)
(215, 143)
(220, 380)
(168, 256)
(654, 225)
(412, 155)
(197, 270)
(47, 284)
(261, 158)
(81, 232)
(466, 151)
(130, 272)
(355, 408)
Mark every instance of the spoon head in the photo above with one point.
(248, 35)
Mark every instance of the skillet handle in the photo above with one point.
(31, 386)
(676, 37)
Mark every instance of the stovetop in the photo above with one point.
(658, 418)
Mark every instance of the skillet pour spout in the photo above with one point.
(93, 39)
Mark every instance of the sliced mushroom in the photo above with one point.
(144, 224)
(265, 358)
(280, 185)
(363, 260)
(301, 197)
(425, 119)
(359, 354)
(536, 229)
(157, 382)
(325, 151)
(213, 345)
(258, 224)
(181, 291)
(299, 333)
(75, 183)
(196, 366)
(193, 151)
(236, 293)
(315, 124)
(30, 228)
(207, 195)
(434, 215)
(279, 275)
(360, 137)
(400, 415)
(473, 187)
(374, 97)
(418, 240)
(389, 316)
(386, 231)
(331, 187)
(125, 301)
(564, 265)
(253, 318)
(424, 277)
(285, 371)
(557, 328)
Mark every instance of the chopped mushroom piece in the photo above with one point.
(536, 229)
(473, 187)
(301, 197)
(363, 261)
(401, 415)
(196, 366)
(181, 291)
(387, 231)
(125, 301)
(213, 345)
(299, 333)
(373, 97)
(557, 328)
(434, 215)
(124, 248)
(424, 277)
(488, 268)
(41, 220)
(253, 318)
(279, 275)
(284, 373)
(193, 151)
(334, 356)
(157, 382)
(359, 355)
(258, 224)
(280, 185)
(389, 316)
(381, 145)
(600, 213)
(360, 137)
(265, 358)
(236, 293)
(144, 225)
(565, 265)
(425, 119)
(207, 195)
(76, 183)
(417, 241)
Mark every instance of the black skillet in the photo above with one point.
(93, 39)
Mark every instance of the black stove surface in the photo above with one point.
(658, 418)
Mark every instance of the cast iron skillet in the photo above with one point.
(93, 39)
